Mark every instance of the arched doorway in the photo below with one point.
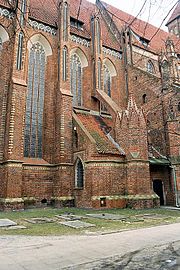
(158, 189)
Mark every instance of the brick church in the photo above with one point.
(89, 106)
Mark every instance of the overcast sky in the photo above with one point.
(154, 11)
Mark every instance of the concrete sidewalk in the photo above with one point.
(54, 253)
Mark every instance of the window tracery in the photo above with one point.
(76, 80)
(35, 102)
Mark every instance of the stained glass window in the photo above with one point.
(79, 174)
(76, 80)
(35, 102)
(20, 51)
(64, 63)
(65, 22)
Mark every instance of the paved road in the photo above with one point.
(72, 252)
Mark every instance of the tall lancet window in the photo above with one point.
(107, 81)
(20, 51)
(98, 32)
(165, 71)
(65, 22)
(94, 74)
(99, 73)
(92, 33)
(76, 80)
(79, 174)
(64, 63)
(35, 102)
(23, 12)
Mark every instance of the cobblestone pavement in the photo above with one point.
(162, 257)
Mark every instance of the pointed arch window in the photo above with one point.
(98, 31)
(150, 67)
(64, 63)
(107, 81)
(144, 99)
(165, 73)
(99, 74)
(23, 11)
(35, 102)
(79, 174)
(76, 80)
(106, 84)
(20, 51)
(65, 22)
(93, 34)
(94, 74)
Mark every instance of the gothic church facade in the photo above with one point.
(89, 107)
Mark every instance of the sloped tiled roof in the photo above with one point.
(98, 128)
(175, 14)
(157, 37)
(46, 11)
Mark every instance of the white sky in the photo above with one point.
(154, 11)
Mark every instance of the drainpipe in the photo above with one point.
(175, 185)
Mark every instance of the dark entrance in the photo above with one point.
(158, 189)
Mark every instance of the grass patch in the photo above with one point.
(102, 226)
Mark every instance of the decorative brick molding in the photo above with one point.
(113, 53)
(129, 197)
(6, 13)
(11, 200)
(11, 126)
(103, 163)
(42, 27)
(80, 41)
(65, 198)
